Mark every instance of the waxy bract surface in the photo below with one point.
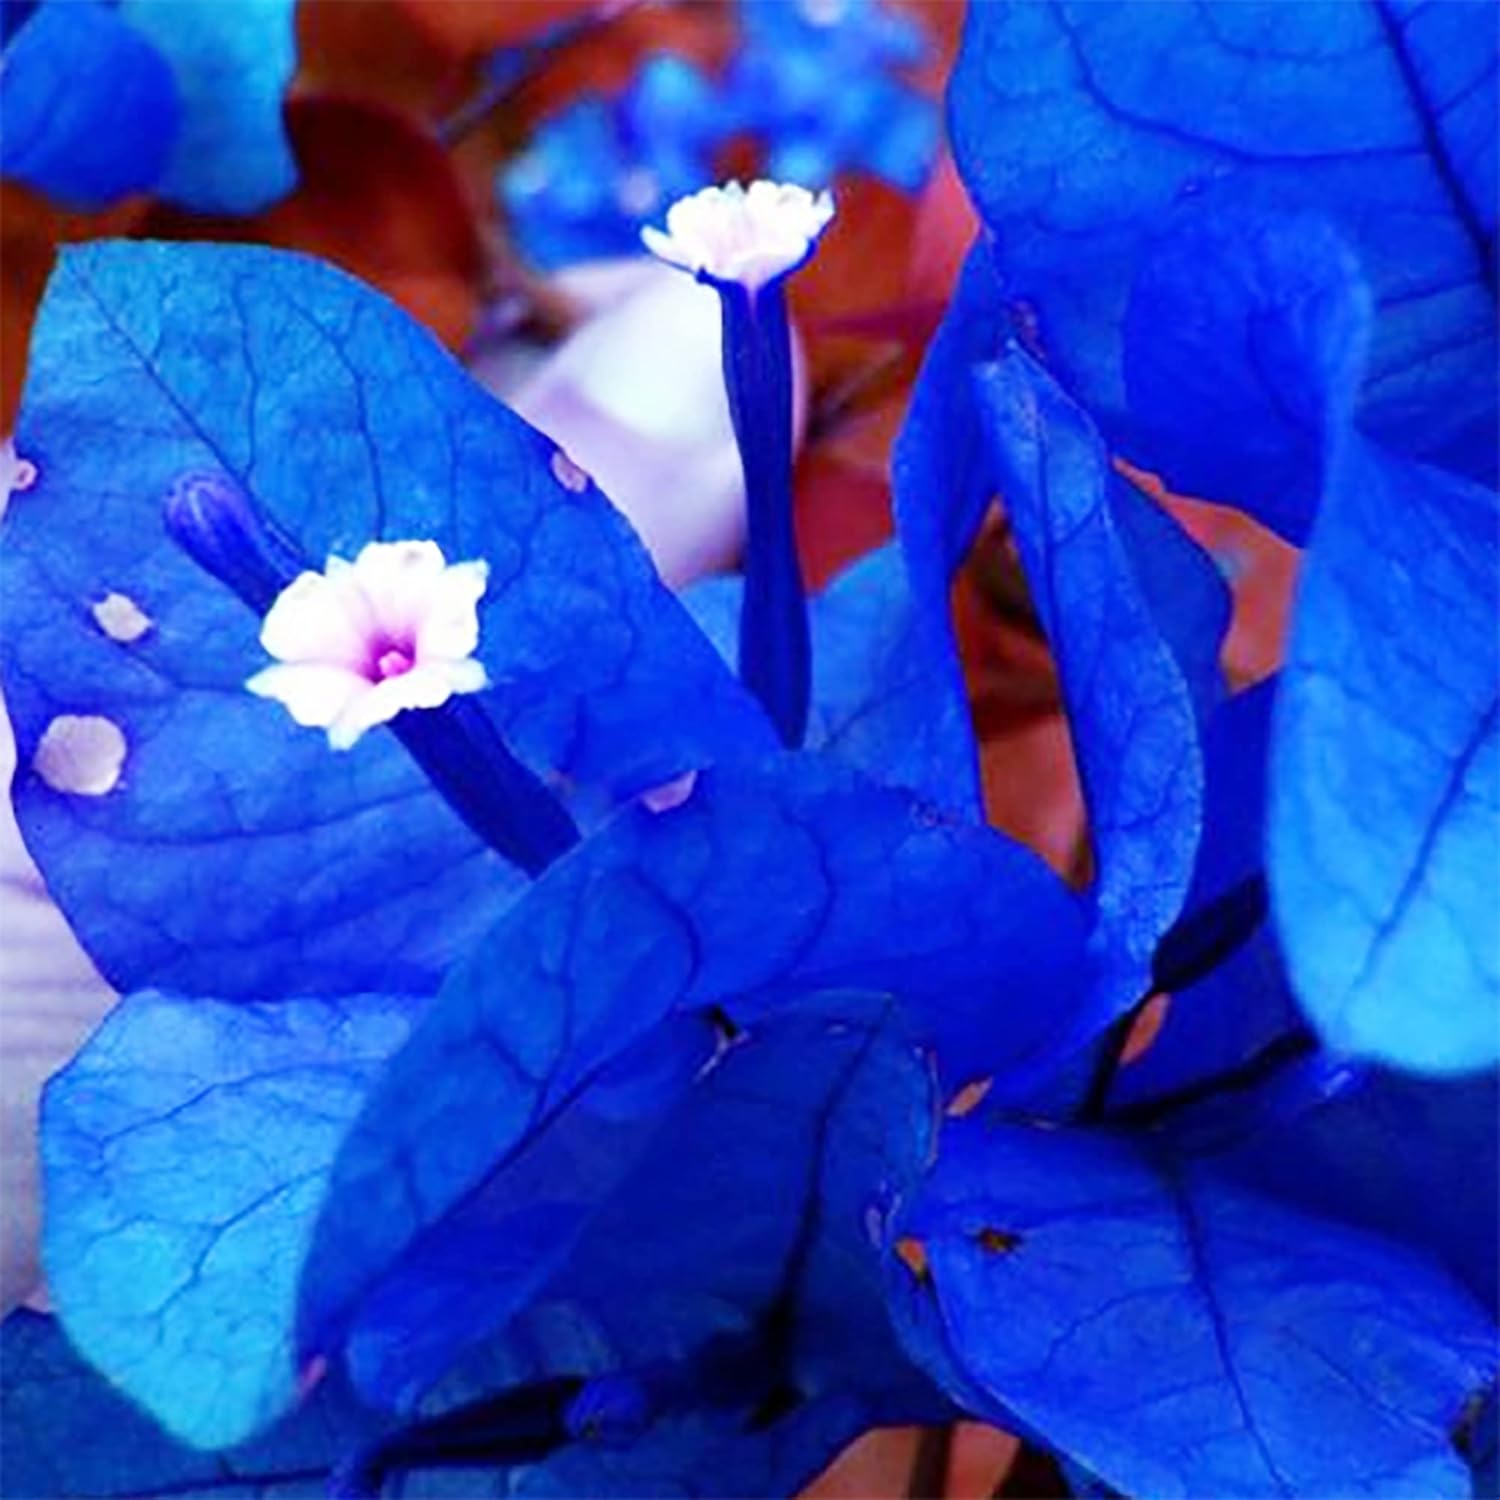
(345, 423)
(396, 1171)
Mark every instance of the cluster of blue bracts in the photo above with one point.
(635, 1170)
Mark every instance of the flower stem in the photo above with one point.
(501, 799)
(775, 656)
(456, 744)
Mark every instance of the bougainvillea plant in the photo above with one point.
(578, 1039)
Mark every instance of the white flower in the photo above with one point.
(357, 644)
(752, 236)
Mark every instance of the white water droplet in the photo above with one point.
(81, 754)
(568, 474)
(121, 618)
(16, 473)
(823, 12)
(671, 794)
(638, 192)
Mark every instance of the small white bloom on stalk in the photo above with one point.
(752, 236)
(361, 642)
(744, 243)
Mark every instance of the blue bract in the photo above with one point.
(1134, 612)
(1411, 1158)
(1087, 132)
(232, 64)
(1257, 354)
(1383, 830)
(186, 1152)
(275, 866)
(548, 1066)
(1242, 1004)
(91, 107)
(1133, 609)
(54, 1410)
(811, 1127)
(880, 692)
(177, 97)
(1385, 797)
(764, 887)
(1175, 1333)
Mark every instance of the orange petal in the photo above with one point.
(466, 28)
(608, 58)
(863, 257)
(872, 1468)
(982, 1457)
(376, 49)
(842, 513)
(1262, 570)
(27, 266)
(1031, 791)
(1145, 1029)
(945, 228)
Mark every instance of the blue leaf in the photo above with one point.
(1245, 1003)
(1134, 612)
(232, 64)
(813, 1126)
(236, 855)
(766, 884)
(65, 1430)
(878, 691)
(473, 1271)
(1245, 347)
(1411, 1158)
(185, 1152)
(1178, 1335)
(1085, 130)
(942, 480)
(90, 107)
(1384, 826)
(878, 686)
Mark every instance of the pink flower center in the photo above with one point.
(393, 662)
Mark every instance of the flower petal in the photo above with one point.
(313, 694)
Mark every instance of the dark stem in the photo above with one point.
(524, 1426)
(775, 654)
(1190, 950)
(501, 799)
(1033, 1475)
(1107, 1064)
(928, 1479)
(1254, 1071)
(1196, 944)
